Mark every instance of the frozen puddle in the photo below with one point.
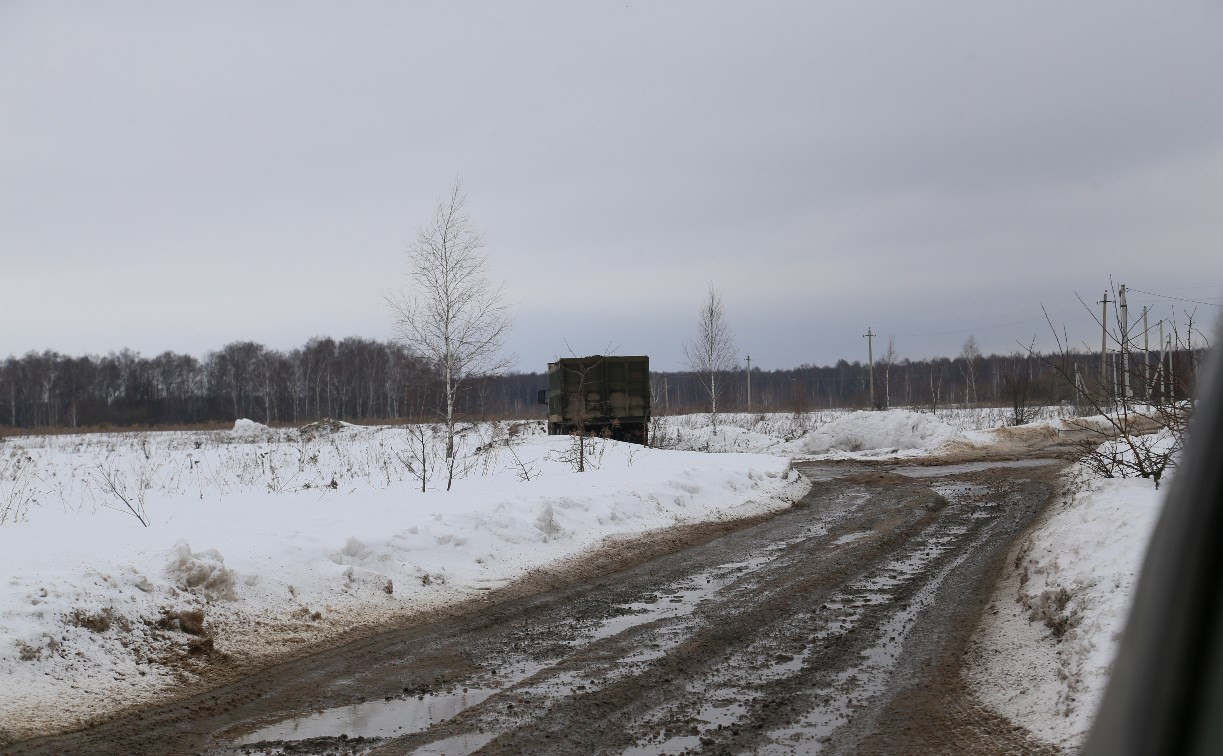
(675, 602)
(969, 467)
(373, 719)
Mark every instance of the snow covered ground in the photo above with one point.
(833, 434)
(1044, 655)
(259, 540)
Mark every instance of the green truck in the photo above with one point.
(599, 395)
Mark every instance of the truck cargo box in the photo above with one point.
(600, 396)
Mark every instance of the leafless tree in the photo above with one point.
(889, 359)
(1017, 384)
(939, 368)
(452, 315)
(419, 457)
(712, 354)
(970, 354)
(1148, 433)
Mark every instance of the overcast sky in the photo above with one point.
(177, 176)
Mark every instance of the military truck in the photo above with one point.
(599, 395)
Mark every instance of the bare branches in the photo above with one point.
(712, 354)
(1138, 419)
(17, 491)
(970, 354)
(452, 316)
(1017, 383)
(577, 399)
(419, 458)
(132, 500)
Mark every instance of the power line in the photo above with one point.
(1178, 299)
(975, 329)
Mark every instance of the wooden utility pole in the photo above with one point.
(1104, 348)
(1124, 368)
(749, 383)
(1171, 373)
(870, 361)
(1146, 353)
(1158, 365)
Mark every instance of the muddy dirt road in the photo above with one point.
(836, 626)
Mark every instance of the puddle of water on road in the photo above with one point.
(968, 467)
(682, 599)
(726, 709)
(819, 473)
(459, 744)
(851, 537)
(374, 719)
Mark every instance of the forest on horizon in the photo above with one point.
(365, 380)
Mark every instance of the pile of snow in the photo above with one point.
(263, 544)
(887, 432)
(247, 428)
(848, 434)
(840, 433)
(1045, 655)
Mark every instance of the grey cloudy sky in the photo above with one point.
(182, 175)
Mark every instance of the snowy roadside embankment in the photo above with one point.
(262, 540)
(1045, 651)
(844, 434)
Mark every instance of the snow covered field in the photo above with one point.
(262, 540)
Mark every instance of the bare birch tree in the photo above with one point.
(452, 315)
(970, 354)
(712, 354)
(889, 359)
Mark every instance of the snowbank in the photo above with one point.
(827, 434)
(244, 427)
(887, 432)
(894, 433)
(256, 546)
(1045, 655)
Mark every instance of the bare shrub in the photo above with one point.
(1126, 435)
(420, 457)
(130, 494)
(17, 491)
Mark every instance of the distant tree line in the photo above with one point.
(351, 379)
(969, 379)
(359, 379)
